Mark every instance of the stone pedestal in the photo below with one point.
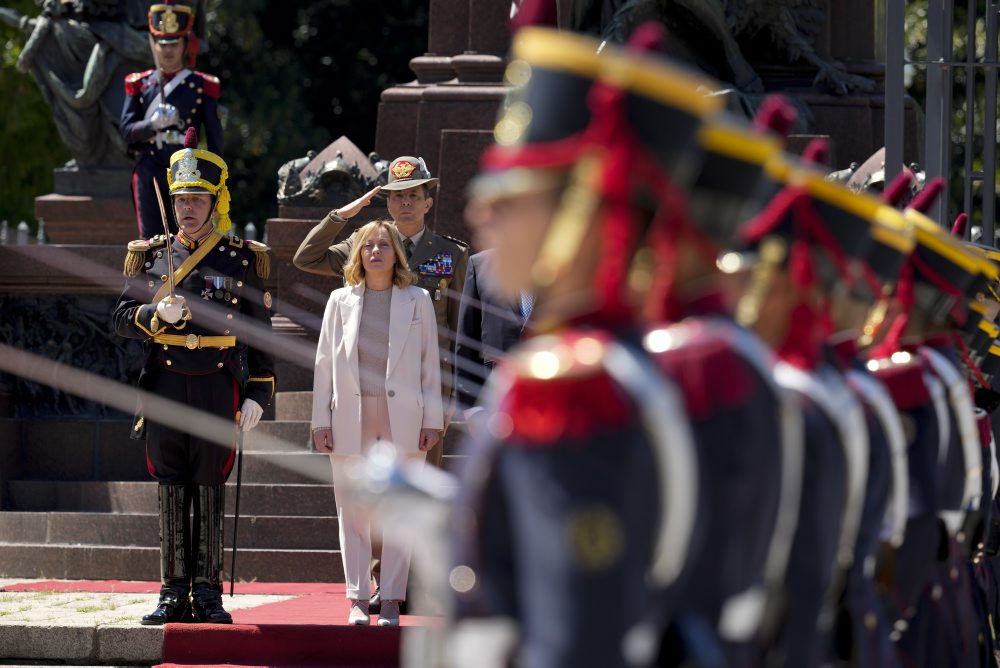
(446, 115)
(89, 207)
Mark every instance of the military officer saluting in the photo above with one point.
(439, 261)
(160, 104)
(203, 351)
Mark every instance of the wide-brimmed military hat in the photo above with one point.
(169, 22)
(197, 171)
(407, 172)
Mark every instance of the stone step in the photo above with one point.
(293, 406)
(287, 467)
(279, 436)
(135, 529)
(140, 497)
(102, 562)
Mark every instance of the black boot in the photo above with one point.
(173, 605)
(207, 605)
(206, 599)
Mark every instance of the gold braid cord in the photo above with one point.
(133, 262)
(263, 264)
(137, 253)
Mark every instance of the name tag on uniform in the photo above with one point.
(439, 265)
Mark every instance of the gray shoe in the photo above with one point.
(359, 613)
(390, 614)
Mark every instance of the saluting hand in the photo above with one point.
(323, 440)
(352, 209)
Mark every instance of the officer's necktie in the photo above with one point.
(408, 246)
(527, 303)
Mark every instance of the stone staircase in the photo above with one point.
(78, 503)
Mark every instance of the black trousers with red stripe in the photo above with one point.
(177, 457)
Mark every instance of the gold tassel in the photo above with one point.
(133, 263)
(223, 224)
(263, 264)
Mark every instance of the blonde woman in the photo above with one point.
(377, 379)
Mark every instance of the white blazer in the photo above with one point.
(412, 375)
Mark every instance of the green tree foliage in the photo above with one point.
(916, 27)
(29, 145)
(296, 74)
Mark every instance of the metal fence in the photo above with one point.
(941, 67)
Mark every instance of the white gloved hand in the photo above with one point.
(250, 414)
(171, 309)
(164, 116)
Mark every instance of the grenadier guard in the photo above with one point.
(930, 593)
(197, 301)
(810, 239)
(160, 104)
(583, 495)
(862, 633)
(747, 430)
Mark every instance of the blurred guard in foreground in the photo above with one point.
(582, 496)
(206, 350)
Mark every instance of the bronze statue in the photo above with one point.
(789, 25)
(78, 52)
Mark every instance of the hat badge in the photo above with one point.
(402, 170)
(187, 168)
(168, 22)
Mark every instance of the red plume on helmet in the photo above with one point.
(191, 138)
(898, 188)
(961, 223)
(776, 114)
(817, 152)
(535, 13)
(925, 198)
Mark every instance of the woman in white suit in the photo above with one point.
(377, 379)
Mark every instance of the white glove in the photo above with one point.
(171, 309)
(165, 116)
(250, 414)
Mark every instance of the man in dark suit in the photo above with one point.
(488, 326)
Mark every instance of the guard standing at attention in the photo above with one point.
(206, 345)
(161, 103)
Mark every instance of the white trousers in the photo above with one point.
(355, 524)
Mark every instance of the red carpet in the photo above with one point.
(307, 630)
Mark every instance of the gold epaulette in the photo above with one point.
(560, 356)
(137, 253)
(263, 264)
